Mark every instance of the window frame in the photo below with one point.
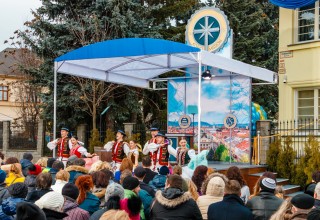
(316, 24)
(2, 91)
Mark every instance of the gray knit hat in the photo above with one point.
(114, 189)
(268, 184)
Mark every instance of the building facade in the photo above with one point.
(299, 64)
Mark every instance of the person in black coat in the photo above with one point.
(140, 173)
(232, 206)
(146, 163)
(174, 203)
(43, 186)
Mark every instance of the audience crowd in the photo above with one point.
(47, 190)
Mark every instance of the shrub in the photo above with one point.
(273, 154)
(313, 161)
(285, 162)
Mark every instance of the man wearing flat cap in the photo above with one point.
(301, 206)
(119, 148)
(158, 151)
(62, 144)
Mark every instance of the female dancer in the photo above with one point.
(133, 154)
(76, 148)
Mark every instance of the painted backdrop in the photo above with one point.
(219, 96)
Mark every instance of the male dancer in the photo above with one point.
(119, 148)
(159, 151)
(62, 144)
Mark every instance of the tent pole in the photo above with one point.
(55, 106)
(199, 103)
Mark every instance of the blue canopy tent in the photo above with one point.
(138, 61)
(292, 4)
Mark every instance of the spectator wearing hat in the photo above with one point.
(62, 178)
(77, 169)
(26, 162)
(18, 192)
(212, 192)
(232, 206)
(265, 203)
(86, 199)
(50, 161)
(146, 164)
(4, 193)
(62, 145)
(27, 211)
(52, 205)
(114, 194)
(301, 206)
(33, 171)
(159, 151)
(70, 207)
(43, 186)
(140, 173)
(174, 203)
(119, 148)
(159, 181)
(131, 187)
(71, 160)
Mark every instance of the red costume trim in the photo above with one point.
(117, 152)
(74, 151)
(63, 148)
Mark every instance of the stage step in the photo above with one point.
(293, 194)
(260, 174)
(290, 189)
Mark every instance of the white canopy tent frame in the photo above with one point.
(139, 70)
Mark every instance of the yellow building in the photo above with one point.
(299, 63)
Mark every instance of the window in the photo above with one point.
(308, 23)
(3, 93)
(308, 107)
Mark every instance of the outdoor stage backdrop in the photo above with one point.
(219, 96)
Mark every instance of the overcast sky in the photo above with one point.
(13, 13)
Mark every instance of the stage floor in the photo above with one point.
(218, 166)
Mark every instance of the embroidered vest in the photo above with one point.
(182, 157)
(163, 155)
(63, 148)
(74, 151)
(117, 152)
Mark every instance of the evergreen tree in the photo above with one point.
(255, 27)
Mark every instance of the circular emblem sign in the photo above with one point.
(230, 121)
(184, 121)
(208, 29)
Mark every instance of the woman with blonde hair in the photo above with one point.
(284, 211)
(114, 214)
(62, 178)
(99, 165)
(15, 174)
(192, 189)
(42, 162)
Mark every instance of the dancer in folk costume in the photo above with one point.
(63, 151)
(187, 158)
(154, 131)
(119, 148)
(133, 154)
(77, 148)
(159, 151)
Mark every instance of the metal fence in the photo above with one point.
(23, 136)
(299, 131)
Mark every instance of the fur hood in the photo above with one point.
(205, 183)
(76, 168)
(172, 197)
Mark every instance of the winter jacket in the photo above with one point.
(75, 171)
(158, 182)
(204, 201)
(264, 205)
(309, 189)
(100, 193)
(30, 181)
(57, 187)
(147, 188)
(8, 208)
(91, 203)
(74, 212)
(12, 178)
(174, 204)
(36, 194)
(4, 193)
(25, 164)
(97, 215)
(231, 207)
(54, 215)
(317, 203)
(53, 173)
(146, 199)
(123, 205)
(300, 215)
(149, 175)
